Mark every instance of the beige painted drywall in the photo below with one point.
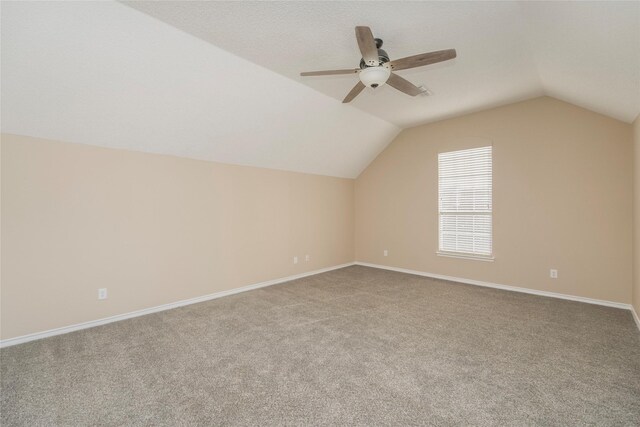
(152, 229)
(562, 199)
(636, 215)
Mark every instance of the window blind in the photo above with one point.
(465, 201)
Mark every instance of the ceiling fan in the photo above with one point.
(376, 69)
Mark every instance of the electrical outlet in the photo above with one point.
(102, 293)
(385, 252)
(295, 259)
(553, 273)
(307, 258)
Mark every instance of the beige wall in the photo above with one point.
(152, 229)
(562, 199)
(636, 215)
(158, 229)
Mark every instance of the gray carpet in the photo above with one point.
(356, 346)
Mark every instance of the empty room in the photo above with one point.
(259, 213)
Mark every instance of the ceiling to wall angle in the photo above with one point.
(221, 81)
(104, 74)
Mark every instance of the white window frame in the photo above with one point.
(458, 179)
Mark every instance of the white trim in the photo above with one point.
(504, 287)
(635, 317)
(459, 255)
(90, 324)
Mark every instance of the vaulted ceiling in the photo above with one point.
(101, 73)
(586, 53)
(220, 80)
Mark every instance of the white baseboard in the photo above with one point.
(635, 317)
(90, 324)
(504, 287)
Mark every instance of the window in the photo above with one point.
(465, 206)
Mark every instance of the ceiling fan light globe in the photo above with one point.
(374, 77)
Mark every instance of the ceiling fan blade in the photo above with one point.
(329, 72)
(367, 46)
(354, 92)
(422, 59)
(403, 85)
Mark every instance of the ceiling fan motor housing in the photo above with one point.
(374, 76)
(383, 56)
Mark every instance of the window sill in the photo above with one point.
(486, 258)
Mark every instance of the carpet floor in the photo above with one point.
(355, 346)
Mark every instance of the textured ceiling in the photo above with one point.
(106, 74)
(586, 53)
(101, 73)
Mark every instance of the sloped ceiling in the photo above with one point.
(220, 80)
(586, 53)
(101, 73)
